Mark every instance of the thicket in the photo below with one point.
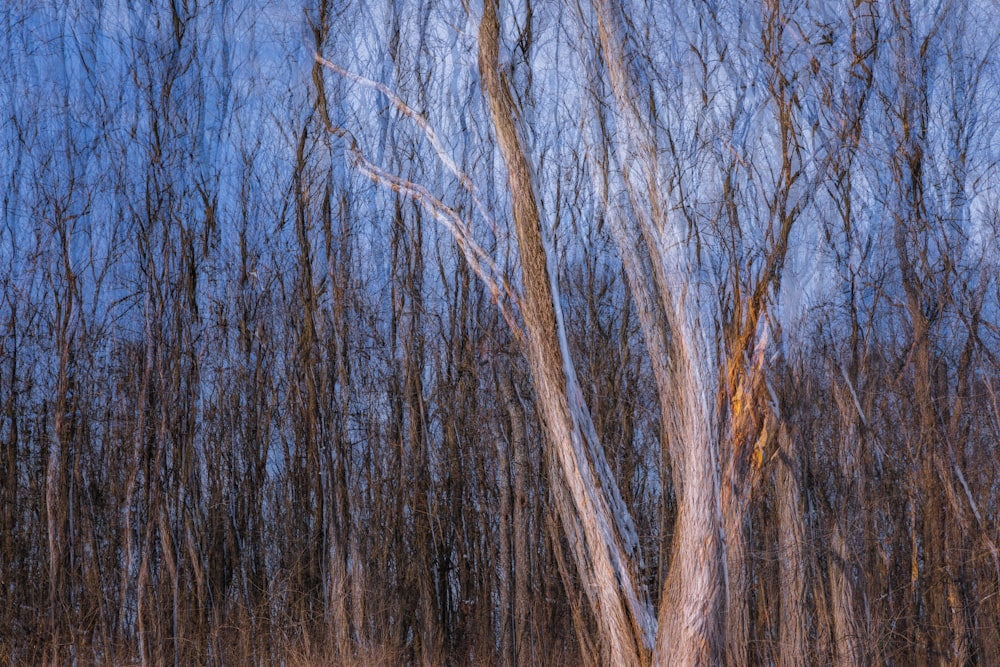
(258, 408)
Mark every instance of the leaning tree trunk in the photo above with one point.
(603, 539)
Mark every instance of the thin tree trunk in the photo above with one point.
(519, 604)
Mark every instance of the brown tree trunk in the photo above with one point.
(793, 635)
(846, 633)
(604, 543)
(516, 505)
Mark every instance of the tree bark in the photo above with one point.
(692, 599)
(519, 586)
(604, 543)
(793, 630)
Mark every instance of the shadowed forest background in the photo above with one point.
(515, 333)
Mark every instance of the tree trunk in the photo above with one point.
(793, 621)
(604, 542)
(692, 602)
(516, 504)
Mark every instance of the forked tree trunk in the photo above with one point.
(692, 604)
(713, 400)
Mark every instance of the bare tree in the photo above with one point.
(515, 333)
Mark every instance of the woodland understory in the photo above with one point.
(500, 332)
